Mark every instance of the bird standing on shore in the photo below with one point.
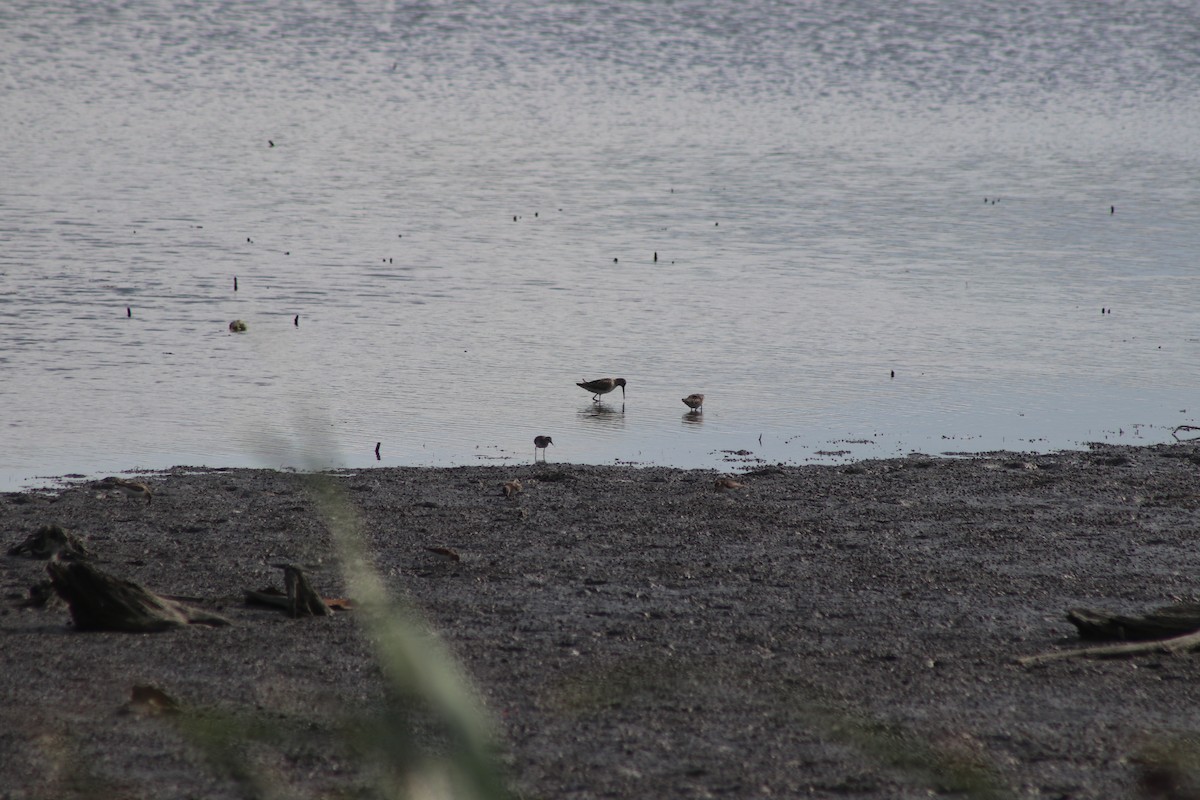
(694, 401)
(541, 443)
(602, 386)
(135, 489)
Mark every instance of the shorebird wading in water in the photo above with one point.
(694, 401)
(539, 443)
(603, 386)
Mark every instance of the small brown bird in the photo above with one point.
(126, 487)
(602, 386)
(237, 326)
(514, 486)
(694, 401)
(727, 483)
(540, 443)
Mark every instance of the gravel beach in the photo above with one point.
(823, 631)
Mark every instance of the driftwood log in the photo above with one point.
(1184, 429)
(300, 600)
(1179, 644)
(50, 541)
(100, 602)
(303, 600)
(1160, 623)
(1168, 629)
(38, 596)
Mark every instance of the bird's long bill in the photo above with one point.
(622, 391)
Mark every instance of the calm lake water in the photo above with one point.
(463, 203)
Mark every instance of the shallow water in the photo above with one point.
(463, 204)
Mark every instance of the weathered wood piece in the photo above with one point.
(272, 596)
(267, 596)
(50, 541)
(300, 599)
(303, 600)
(1179, 644)
(1184, 429)
(1169, 629)
(38, 596)
(100, 602)
(1160, 623)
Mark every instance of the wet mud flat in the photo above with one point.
(847, 631)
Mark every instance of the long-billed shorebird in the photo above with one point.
(135, 489)
(694, 401)
(603, 386)
(540, 443)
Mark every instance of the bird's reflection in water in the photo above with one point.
(603, 413)
(693, 418)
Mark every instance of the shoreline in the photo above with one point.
(825, 630)
(729, 461)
